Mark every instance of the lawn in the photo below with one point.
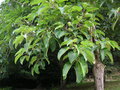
(111, 85)
(7, 88)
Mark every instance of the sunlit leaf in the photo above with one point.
(61, 52)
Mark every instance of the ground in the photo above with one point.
(111, 85)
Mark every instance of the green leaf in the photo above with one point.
(59, 33)
(76, 8)
(7, 1)
(53, 44)
(85, 4)
(65, 57)
(85, 33)
(100, 32)
(84, 66)
(100, 16)
(78, 71)
(22, 59)
(68, 42)
(102, 43)
(34, 58)
(110, 56)
(33, 2)
(88, 24)
(72, 56)
(59, 25)
(27, 58)
(91, 9)
(77, 48)
(36, 68)
(113, 26)
(22, 50)
(26, 46)
(17, 57)
(18, 40)
(72, 41)
(65, 43)
(61, 52)
(66, 68)
(114, 44)
(87, 43)
(102, 54)
(46, 40)
(61, 1)
(88, 55)
(19, 54)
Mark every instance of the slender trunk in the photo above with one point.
(62, 82)
(99, 75)
(98, 69)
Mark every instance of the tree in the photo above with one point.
(71, 26)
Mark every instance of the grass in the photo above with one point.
(7, 88)
(111, 85)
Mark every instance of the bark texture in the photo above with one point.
(99, 75)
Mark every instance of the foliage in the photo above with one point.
(73, 27)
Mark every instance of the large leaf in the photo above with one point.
(66, 68)
(72, 56)
(61, 52)
(109, 54)
(88, 55)
(78, 71)
(84, 66)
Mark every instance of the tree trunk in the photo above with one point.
(62, 82)
(98, 71)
